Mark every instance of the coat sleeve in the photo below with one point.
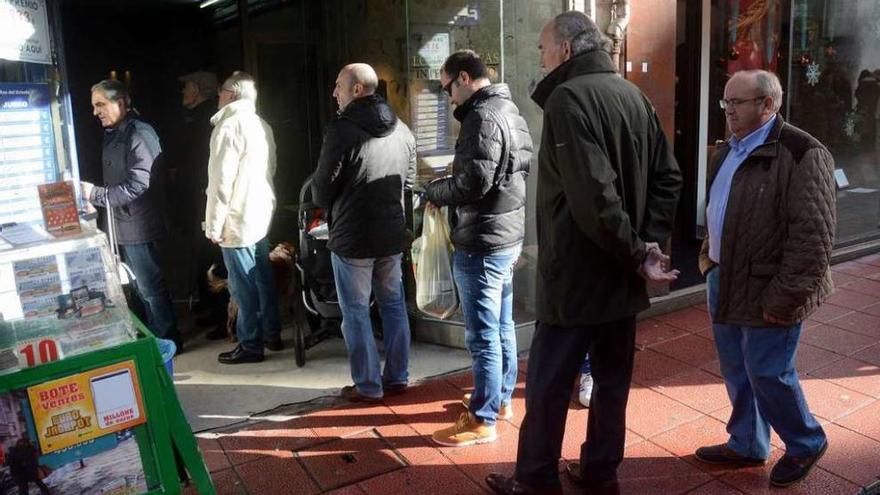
(412, 169)
(222, 170)
(811, 213)
(477, 154)
(141, 157)
(588, 184)
(328, 175)
(664, 187)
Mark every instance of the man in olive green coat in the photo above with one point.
(608, 187)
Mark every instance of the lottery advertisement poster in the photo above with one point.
(85, 406)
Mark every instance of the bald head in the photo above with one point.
(354, 81)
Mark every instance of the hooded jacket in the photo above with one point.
(367, 159)
(488, 182)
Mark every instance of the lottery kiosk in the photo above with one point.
(86, 404)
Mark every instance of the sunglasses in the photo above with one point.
(448, 87)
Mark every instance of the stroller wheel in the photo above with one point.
(299, 342)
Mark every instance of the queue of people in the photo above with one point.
(607, 190)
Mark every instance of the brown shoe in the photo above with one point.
(350, 392)
(593, 487)
(509, 486)
(506, 411)
(466, 431)
(722, 454)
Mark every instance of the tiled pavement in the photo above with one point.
(677, 403)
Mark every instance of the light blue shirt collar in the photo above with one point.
(753, 140)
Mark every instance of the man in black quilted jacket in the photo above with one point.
(487, 190)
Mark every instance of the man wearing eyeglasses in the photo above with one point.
(487, 190)
(771, 219)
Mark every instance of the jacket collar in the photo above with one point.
(768, 149)
(592, 62)
(124, 124)
(491, 91)
(234, 108)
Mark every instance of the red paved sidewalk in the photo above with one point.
(678, 402)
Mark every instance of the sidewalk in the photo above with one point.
(677, 403)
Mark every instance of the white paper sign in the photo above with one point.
(24, 31)
(115, 399)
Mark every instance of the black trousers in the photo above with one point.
(555, 359)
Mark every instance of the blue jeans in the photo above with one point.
(762, 383)
(485, 288)
(252, 287)
(145, 261)
(355, 279)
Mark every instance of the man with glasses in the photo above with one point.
(241, 200)
(771, 218)
(487, 190)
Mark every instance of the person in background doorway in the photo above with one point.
(608, 188)
(487, 189)
(238, 213)
(132, 170)
(199, 100)
(367, 160)
(771, 217)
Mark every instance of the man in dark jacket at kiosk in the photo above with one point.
(367, 160)
(487, 189)
(132, 172)
(608, 187)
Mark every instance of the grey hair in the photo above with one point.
(578, 29)
(768, 85)
(242, 85)
(363, 74)
(114, 91)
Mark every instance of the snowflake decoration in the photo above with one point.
(849, 125)
(813, 74)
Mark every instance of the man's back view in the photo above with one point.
(367, 160)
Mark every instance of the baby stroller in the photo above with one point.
(321, 316)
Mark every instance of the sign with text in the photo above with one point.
(25, 28)
(85, 406)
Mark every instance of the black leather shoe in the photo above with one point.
(722, 454)
(394, 388)
(592, 487)
(240, 355)
(509, 486)
(274, 345)
(789, 470)
(350, 392)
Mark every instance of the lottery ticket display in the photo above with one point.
(59, 298)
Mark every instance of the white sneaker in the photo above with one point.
(586, 389)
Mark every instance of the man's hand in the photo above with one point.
(86, 188)
(216, 240)
(429, 206)
(656, 266)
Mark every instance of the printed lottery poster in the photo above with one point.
(85, 406)
(108, 465)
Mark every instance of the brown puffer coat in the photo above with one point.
(778, 230)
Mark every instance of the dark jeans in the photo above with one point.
(555, 360)
(145, 260)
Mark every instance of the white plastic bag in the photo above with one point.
(435, 289)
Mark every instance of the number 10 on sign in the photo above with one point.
(36, 352)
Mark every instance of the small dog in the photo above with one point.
(283, 261)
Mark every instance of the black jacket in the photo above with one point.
(607, 183)
(190, 157)
(367, 159)
(488, 182)
(133, 176)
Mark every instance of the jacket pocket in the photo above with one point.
(763, 270)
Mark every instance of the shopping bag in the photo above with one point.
(435, 288)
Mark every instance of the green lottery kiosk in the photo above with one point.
(86, 404)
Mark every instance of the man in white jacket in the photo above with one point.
(241, 201)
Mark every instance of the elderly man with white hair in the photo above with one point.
(241, 201)
(367, 160)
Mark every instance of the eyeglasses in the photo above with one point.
(222, 89)
(735, 102)
(448, 87)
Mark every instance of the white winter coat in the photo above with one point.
(241, 168)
